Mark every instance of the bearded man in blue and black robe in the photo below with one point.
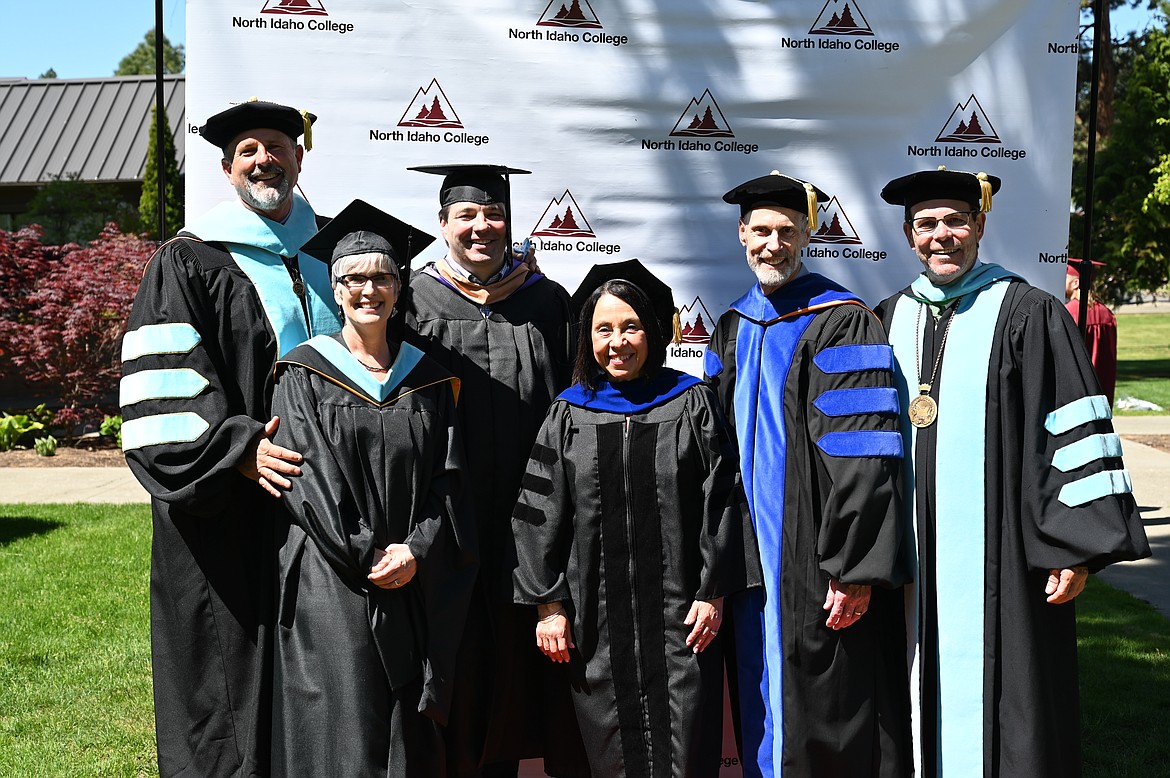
(802, 368)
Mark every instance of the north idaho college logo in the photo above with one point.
(696, 327)
(967, 124)
(563, 218)
(429, 112)
(572, 16)
(700, 119)
(835, 25)
(841, 17)
(695, 320)
(837, 230)
(281, 15)
(563, 20)
(295, 7)
(430, 108)
(835, 225)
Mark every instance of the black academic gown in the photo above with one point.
(998, 481)
(363, 675)
(807, 378)
(632, 510)
(198, 361)
(513, 359)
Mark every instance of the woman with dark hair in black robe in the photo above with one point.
(630, 529)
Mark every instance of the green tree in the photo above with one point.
(1131, 230)
(148, 203)
(50, 73)
(74, 211)
(140, 62)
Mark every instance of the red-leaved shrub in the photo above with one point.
(63, 310)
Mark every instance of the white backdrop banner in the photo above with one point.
(635, 116)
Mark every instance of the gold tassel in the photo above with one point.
(811, 193)
(308, 130)
(985, 192)
(676, 325)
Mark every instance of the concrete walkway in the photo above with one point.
(1148, 579)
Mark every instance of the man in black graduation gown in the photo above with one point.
(1018, 492)
(217, 306)
(507, 332)
(802, 369)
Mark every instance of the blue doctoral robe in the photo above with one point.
(806, 375)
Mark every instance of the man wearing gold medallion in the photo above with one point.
(1018, 492)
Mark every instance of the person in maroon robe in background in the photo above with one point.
(1100, 327)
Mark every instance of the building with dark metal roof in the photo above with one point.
(95, 129)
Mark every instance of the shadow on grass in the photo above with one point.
(1137, 369)
(13, 528)
(1124, 652)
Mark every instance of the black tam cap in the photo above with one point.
(481, 184)
(778, 190)
(360, 228)
(941, 184)
(633, 272)
(225, 126)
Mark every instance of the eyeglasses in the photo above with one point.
(959, 220)
(357, 281)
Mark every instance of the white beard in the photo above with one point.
(770, 275)
(262, 197)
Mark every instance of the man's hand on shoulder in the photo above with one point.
(268, 464)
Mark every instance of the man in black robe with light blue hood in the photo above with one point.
(1016, 493)
(217, 306)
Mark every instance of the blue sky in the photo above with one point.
(79, 38)
(87, 39)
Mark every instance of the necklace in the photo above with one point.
(373, 369)
(923, 409)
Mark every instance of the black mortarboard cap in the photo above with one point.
(777, 189)
(634, 272)
(481, 184)
(941, 184)
(225, 126)
(360, 228)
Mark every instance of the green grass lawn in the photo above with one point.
(1143, 358)
(75, 695)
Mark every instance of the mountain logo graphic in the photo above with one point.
(295, 7)
(841, 17)
(835, 225)
(695, 320)
(702, 119)
(430, 108)
(968, 124)
(557, 14)
(563, 219)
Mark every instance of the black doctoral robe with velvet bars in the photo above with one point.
(1021, 473)
(209, 321)
(632, 509)
(806, 377)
